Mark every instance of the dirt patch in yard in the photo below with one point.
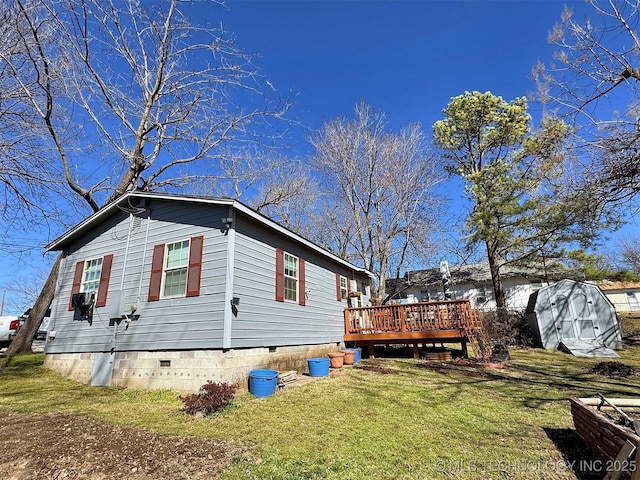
(66, 447)
(373, 365)
(612, 370)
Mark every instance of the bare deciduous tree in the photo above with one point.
(124, 95)
(379, 206)
(594, 80)
(276, 186)
(629, 248)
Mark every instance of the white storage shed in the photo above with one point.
(568, 311)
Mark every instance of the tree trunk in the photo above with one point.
(498, 288)
(22, 342)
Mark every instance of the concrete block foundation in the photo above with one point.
(186, 371)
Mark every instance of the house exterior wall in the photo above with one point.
(175, 323)
(517, 292)
(262, 321)
(625, 300)
(190, 331)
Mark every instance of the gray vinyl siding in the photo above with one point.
(175, 323)
(261, 320)
(197, 322)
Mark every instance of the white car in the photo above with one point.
(8, 329)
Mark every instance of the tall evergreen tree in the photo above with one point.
(511, 176)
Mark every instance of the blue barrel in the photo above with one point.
(318, 367)
(263, 383)
(358, 355)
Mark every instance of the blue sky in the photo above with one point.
(407, 58)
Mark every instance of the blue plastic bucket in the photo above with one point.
(263, 383)
(358, 355)
(318, 367)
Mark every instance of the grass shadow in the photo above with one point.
(577, 457)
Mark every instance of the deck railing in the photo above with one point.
(414, 317)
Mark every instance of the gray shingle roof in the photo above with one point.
(478, 273)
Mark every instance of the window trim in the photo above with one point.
(194, 270)
(87, 265)
(301, 292)
(294, 278)
(166, 269)
(342, 293)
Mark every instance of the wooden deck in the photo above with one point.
(450, 321)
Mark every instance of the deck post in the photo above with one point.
(465, 350)
(371, 351)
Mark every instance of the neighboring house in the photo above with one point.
(170, 291)
(474, 282)
(625, 296)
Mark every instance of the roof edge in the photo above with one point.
(59, 242)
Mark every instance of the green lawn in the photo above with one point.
(392, 419)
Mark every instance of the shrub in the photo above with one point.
(211, 398)
(509, 328)
(629, 325)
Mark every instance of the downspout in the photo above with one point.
(229, 306)
(126, 252)
(144, 255)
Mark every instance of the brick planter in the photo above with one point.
(601, 434)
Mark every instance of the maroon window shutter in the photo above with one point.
(338, 289)
(77, 281)
(156, 273)
(302, 293)
(105, 275)
(195, 266)
(279, 275)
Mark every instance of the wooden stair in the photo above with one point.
(478, 337)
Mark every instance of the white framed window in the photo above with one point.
(343, 287)
(483, 295)
(431, 295)
(91, 275)
(176, 266)
(291, 275)
(176, 269)
(633, 300)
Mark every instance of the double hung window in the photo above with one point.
(91, 275)
(176, 265)
(176, 269)
(343, 288)
(290, 278)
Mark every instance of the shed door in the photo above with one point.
(563, 317)
(574, 315)
(582, 308)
